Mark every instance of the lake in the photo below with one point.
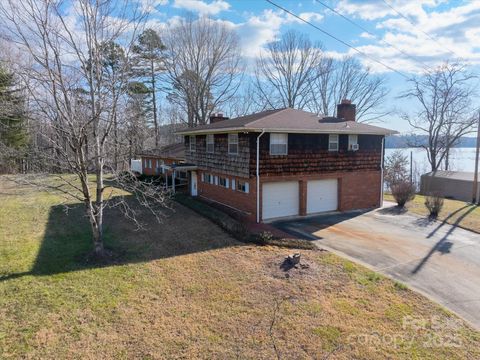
(461, 159)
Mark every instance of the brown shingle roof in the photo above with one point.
(174, 151)
(288, 120)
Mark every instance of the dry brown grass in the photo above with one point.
(454, 212)
(185, 289)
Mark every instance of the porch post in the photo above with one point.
(173, 181)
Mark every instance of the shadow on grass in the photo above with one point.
(443, 246)
(66, 243)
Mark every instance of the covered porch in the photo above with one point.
(181, 177)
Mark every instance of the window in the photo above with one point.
(202, 177)
(233, 144)
(278, 144)
(210, 143)
(242, 186)
(233, 184)
(352, 142)
(222, 181)
(193, 143)
(209, 178)
(145, 163)
(149, 163)
(333, 142)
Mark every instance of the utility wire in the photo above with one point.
(337, 39)
(415, 26)
(424, 65)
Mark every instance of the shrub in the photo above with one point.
(434, 204)
(403, 191)
(265, 237)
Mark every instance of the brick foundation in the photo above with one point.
(356, 190)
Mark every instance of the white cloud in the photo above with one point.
(202, 7)
(454, 31)
(151, 6)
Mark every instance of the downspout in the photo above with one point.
(381, 171)
(258, 174)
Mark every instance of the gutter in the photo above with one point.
(381, 171)
(258, 174)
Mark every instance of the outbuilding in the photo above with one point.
(456, 185)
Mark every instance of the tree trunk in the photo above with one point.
(154, 100)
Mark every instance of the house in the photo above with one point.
(287, 162)
(154, 159)
(456, 185)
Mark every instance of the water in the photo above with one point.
(461, 159)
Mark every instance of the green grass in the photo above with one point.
(453, 212)
(186, 289)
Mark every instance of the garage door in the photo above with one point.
(280, 199)
(322, 195)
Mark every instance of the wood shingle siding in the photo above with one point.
(308, 154)
(220, 160)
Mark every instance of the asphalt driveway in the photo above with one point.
(435, 258)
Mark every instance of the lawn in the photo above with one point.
(454, 212)
(186, 289)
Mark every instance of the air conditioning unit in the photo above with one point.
(354, 147)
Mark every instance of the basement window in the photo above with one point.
(333, 142)
(222, 181)
(193, 142)
(233, 144)
(278, 144)
(242, 186)
(210, 143)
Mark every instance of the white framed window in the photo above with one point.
(209, 178)
(352, 142)
(202, 177)
(243, 186)
(233, 184)
(233, 144)
(216, 179)
(193, 142)
(145, 163)
(223, 181)
(278, 144)
(333, 142)
(149, 163)
(210, 143)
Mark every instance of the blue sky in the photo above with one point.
(442, 30)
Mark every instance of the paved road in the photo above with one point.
(435, 258)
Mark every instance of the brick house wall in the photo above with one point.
(155, 163)
(244, 202)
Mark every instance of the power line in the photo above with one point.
(337, 39)
(414, 25)
(424, 65)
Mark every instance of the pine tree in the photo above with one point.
(149, 63)
(13, 121)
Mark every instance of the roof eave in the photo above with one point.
(290, 131)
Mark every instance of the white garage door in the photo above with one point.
(322, 195)
(280, 199)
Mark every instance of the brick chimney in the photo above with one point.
(216, 117)
(346, 110)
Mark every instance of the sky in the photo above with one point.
(401, 38)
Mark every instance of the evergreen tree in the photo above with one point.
(13, 122)
(149, 63)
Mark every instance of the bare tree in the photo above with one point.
(204, 67)
(67, 49)
(286, 73)
(348, 79)
(445, 98)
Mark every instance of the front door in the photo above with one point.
(193, 184)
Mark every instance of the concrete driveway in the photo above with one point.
(434, 258)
